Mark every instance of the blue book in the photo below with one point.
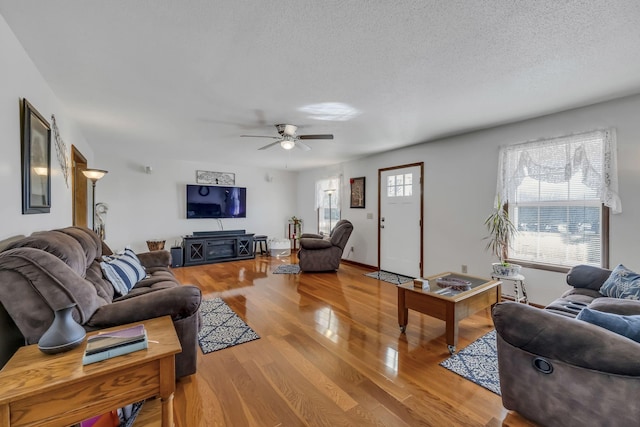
(97, 356)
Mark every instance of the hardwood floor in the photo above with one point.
(330, 353)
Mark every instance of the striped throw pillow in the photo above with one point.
(123, 271)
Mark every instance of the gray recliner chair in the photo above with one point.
(323, 253)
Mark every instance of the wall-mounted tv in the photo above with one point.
(212, 201)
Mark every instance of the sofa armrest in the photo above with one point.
(154, 259)
(179, 302)
(315, 243)
(311, 236)
(587, 276)
(568, 340)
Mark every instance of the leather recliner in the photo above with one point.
(323, 253)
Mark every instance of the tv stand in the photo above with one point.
(208, 247)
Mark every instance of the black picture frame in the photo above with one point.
(357, 195)
(36, 160)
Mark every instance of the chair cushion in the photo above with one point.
(123, 271)
(622, 283)
(628, 326)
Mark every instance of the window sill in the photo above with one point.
(541, 266)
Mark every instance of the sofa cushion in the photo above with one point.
(628, 326)
(622, 283)
(123, 271)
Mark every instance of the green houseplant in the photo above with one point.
(501, 231)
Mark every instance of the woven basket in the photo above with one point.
(155, 245)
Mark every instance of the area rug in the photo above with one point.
(478, 363)
(287, 269)
(222, 327)
(396, 279)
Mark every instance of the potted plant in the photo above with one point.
(501, 232)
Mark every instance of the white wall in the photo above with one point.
(20, 79)
(460, 182)
(152, 206)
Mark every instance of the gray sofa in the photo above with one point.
(52, 269)
(560, 371)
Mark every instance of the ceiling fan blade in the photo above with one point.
(269, 145)
(301, 145)
(260, 136)
(325, 136)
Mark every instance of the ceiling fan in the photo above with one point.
(288, 138)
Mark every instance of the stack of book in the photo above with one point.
(115, 343)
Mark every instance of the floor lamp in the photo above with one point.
(94, 175)
(329, 192)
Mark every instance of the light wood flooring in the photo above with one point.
(330, 353)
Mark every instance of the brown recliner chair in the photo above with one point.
(323, 253)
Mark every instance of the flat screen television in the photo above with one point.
(213, 201)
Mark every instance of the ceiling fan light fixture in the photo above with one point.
(287, 144)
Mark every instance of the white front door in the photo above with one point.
(401, 220)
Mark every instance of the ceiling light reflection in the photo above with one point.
(391, 359)
(331, 111)
(327, 323)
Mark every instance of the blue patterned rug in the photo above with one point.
(221, 327)
(287, 269)
(396, 279)
(478, 363)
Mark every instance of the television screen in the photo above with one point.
(212, 201)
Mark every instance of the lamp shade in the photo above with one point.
(94, 174)
(287, 144)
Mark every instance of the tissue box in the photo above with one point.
(421, 283)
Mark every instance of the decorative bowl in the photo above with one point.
(506, 270)
(453, 283)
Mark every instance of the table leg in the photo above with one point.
(167, 388)
(451, 327)
(167, 411)
(403, 311)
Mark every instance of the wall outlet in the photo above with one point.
(464, 268)
(351, 249)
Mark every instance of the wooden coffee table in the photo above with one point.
(57, 390)
(450, 306)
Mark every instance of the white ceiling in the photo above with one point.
(183, 79)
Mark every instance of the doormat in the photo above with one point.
(396, 279)
(287, 269)
(222, 327)
(478, 363)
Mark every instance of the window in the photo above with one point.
(400, 185)
(328, 204)
(558, 194)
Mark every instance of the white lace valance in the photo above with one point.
(559, 160)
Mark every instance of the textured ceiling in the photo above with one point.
(184, 79)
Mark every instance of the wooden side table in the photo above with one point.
(57, 390)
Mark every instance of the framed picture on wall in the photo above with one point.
(357, 192)
(36, 161)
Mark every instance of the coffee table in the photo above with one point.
(447, 304)
(56, 390)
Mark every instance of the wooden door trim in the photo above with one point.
(380, 172)
(77, 186)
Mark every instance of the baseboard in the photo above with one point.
(359, 264)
